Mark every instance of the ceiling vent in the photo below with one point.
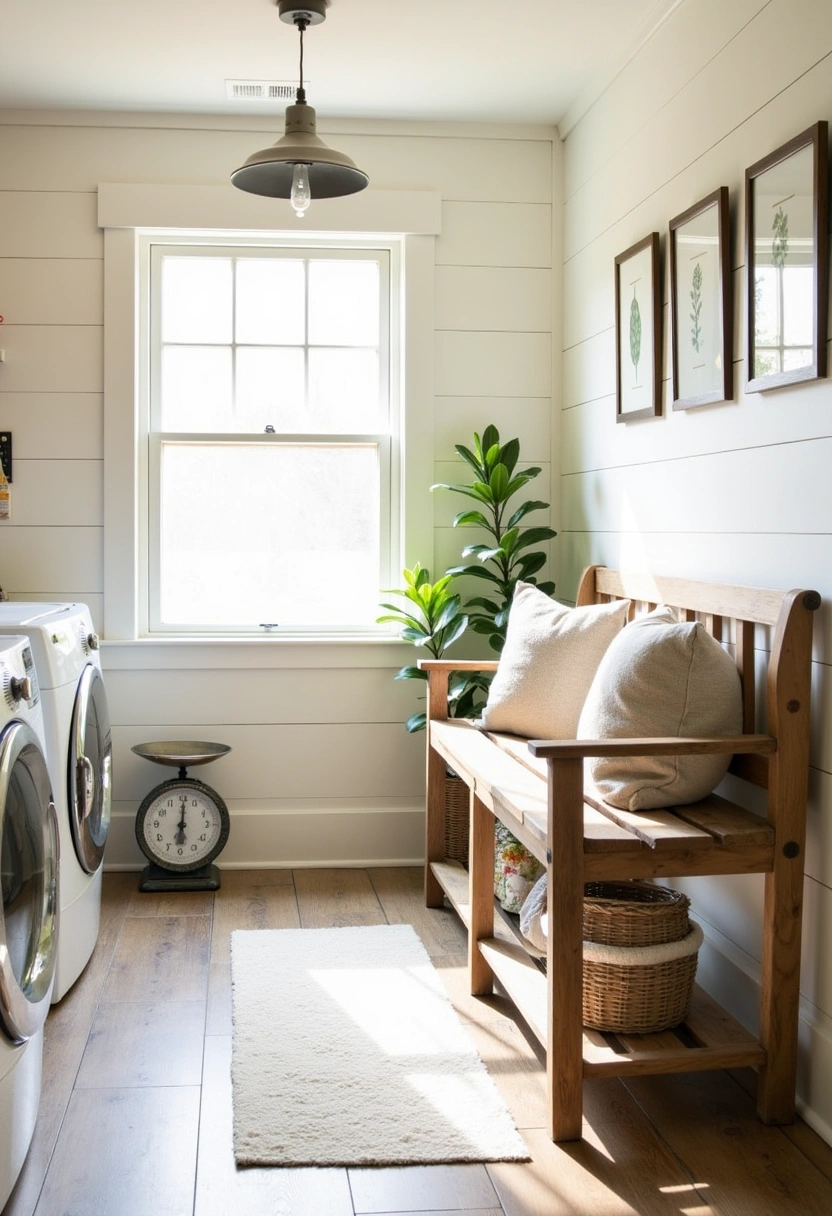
(260, 90)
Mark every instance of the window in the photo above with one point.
(272, 425)
(394, 229)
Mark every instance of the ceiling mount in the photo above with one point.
(312, 12)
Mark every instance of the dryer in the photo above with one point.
(29, 884)
(76, 725)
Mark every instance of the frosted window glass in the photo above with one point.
(270, 301)
(343, 389)
(268, 533)
(196, 390)
(196, 299)
(344, 303)
(271, 389)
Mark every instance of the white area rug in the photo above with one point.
(347, 1051)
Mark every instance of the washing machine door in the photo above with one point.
(29, 880)
(90, 770)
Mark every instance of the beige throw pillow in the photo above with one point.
(661, 678)
(549, 659)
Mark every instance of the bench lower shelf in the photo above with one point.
(709, 1038)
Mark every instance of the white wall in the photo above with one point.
(321, 768)
(738, 492)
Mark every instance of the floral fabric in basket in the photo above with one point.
(516, 870)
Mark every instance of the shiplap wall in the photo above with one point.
(321, 769)
(738, 492)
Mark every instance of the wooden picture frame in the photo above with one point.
(638, 331)
(787, 270)
(701, 309)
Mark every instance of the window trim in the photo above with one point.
(153, 248)
(127, 212)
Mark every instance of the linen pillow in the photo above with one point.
(661, 678)
(550, 656)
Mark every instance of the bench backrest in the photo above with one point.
(777, 704)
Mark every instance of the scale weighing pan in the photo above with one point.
(181, 754)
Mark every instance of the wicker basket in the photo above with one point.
(457, 799)
(640, 954)
(634, 914)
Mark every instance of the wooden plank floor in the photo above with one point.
(135, 1116)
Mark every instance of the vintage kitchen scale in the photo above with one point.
(182, 824)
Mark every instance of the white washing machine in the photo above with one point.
(29, 923)
(76, 725)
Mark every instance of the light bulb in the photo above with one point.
(301, 195)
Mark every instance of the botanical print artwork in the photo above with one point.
(697, 319)
(635, 333)
(696, 306)
(637, 368)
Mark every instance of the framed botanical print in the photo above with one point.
(638, 331)
(786, 220)
(701, 312)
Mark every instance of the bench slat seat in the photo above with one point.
(537, 789)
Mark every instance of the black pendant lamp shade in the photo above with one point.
(300, 166)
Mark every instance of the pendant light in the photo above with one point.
(300, 166)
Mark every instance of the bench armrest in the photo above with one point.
(430, 665)
(574, 749)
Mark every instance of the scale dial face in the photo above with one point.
(182, 825)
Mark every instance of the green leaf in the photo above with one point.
(492, 458)
(455, 630)
(490, 437)
(534, 536)
(440, 588)
(410, 673)
(499, 483)
(477, 572)
(469, 457)
(488, 555)
(471, 517)
(547, 588)
(478, 490)
(415, 635)
(416, 722)
(524, 509)
(480, 602)
(409, 621)
(530, 563)
(496, 642)
(510, 454)
(519, 480)
(482, 624)
(447, 614)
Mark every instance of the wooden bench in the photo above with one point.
(536, 788)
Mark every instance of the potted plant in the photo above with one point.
(508, 557)
(430, 618)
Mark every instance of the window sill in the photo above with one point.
(223, 652)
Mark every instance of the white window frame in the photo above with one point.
(152, 248)
(130, 213)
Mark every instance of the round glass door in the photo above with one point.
(29, 881)
(90, 770)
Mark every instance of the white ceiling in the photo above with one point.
(466, 60)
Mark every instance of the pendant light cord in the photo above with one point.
(301, 23)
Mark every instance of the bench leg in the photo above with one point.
(780, 990)
(481, 895)
(564, 1052)
(434, 826)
